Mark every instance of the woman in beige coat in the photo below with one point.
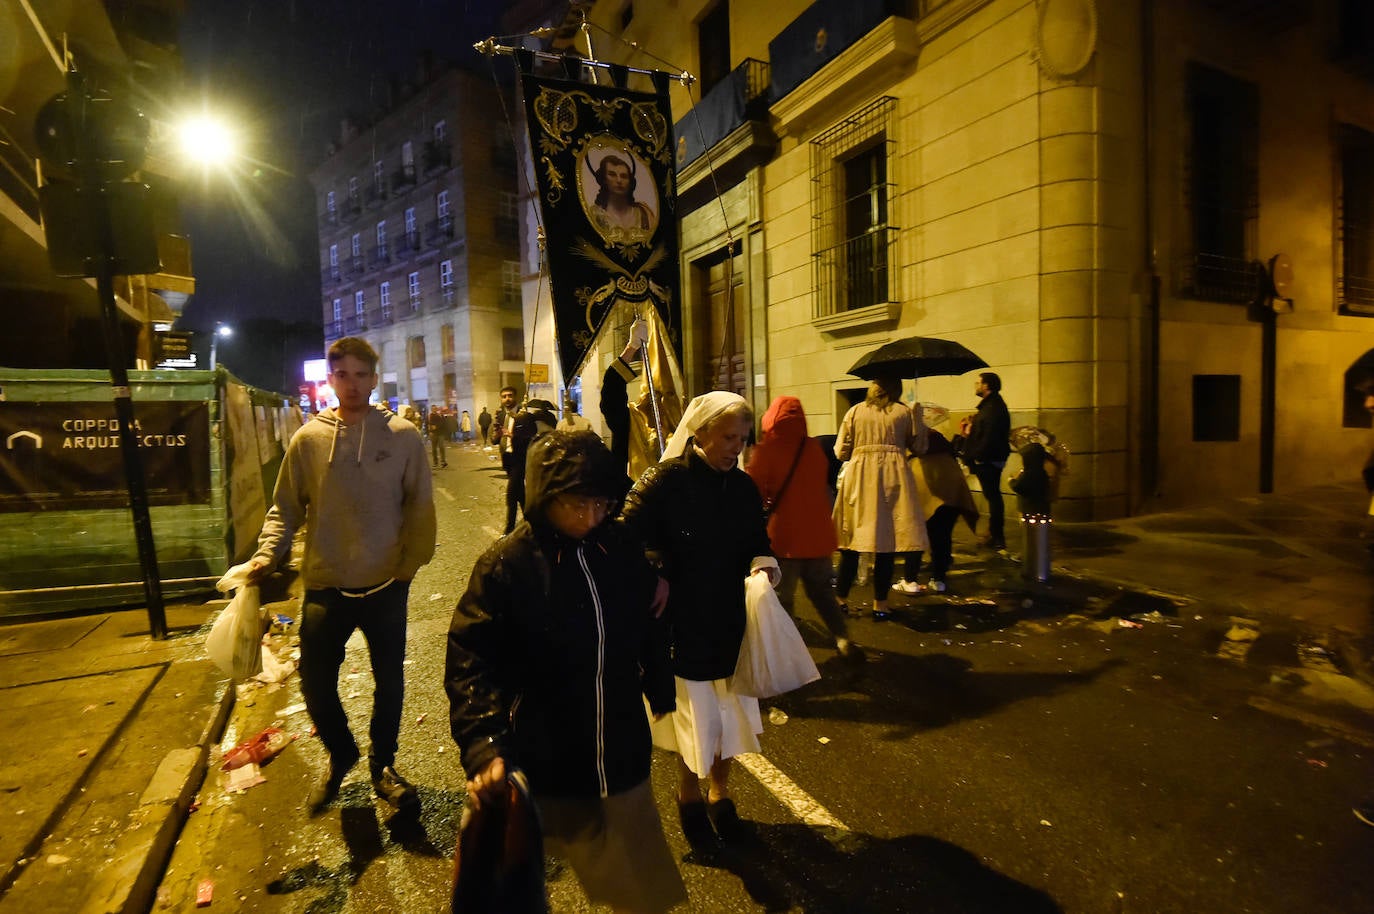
(876, 508)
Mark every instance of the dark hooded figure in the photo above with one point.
(552, 652)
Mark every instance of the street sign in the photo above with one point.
(174, 349)
(538, 374)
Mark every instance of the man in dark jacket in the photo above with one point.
(550, 650)
(986, 444)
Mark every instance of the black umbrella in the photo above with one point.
(917, 357)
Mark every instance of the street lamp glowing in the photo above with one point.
(221, 330)
(207, 141)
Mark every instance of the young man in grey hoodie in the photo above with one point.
(358, 479)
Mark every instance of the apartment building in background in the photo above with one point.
(419, 242)
(1153, 218)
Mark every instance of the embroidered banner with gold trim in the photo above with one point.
(603, 159)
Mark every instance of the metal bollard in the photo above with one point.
(1035, 557)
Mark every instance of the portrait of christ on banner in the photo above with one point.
(618, 191)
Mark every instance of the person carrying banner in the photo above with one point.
(356, 479)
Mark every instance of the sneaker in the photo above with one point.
(393, 788)
(1365, 812)
(907, 587)
(936, 586)
(328, 787)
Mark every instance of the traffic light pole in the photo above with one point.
(98, 210)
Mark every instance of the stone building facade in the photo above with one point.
(419, 247)
(1150, 217)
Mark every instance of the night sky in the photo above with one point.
(288, 71)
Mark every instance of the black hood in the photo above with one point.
(563, 462)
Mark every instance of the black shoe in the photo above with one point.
(696, 824)
(726, 820)
(393, 788)
(328, 787)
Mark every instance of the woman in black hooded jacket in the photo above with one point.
(552, 650)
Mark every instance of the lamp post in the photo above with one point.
(221, 330)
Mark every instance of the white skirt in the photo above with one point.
(710, 722)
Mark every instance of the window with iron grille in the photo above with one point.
(1355, 221)
(852, 233)
(510, 283)
(1220, 187)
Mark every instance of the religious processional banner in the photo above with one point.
(603, 161)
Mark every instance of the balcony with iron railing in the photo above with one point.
(355, 323)
(355, 265)
(331, 275)
(741, 96)
(437, 231)
(447, 300)
(352, 206)
(402, 178)
(437, 156)
(857, 273)
(823, 31)
(414, 306)
(376, 194)
(408, 243)
(333, 330)
(381, 254)
(382, 317)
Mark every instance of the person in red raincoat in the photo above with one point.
(791, 472)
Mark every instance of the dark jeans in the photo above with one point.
(328, 620)
(515, 495)
(990, 479)
(436, 449)
(882, 573)
(815, 578)
(940, 529)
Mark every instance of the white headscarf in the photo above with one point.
(699, 412)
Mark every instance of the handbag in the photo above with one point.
(772, 658)
(770, 503)
(498, 861)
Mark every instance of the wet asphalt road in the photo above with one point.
(991, 757)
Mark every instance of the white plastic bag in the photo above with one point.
(773, 658)
(235, 640)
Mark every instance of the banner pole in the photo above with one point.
(653, 394)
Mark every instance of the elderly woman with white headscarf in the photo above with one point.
(700, 518)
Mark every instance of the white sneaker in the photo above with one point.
(936, 586)
(907, 587)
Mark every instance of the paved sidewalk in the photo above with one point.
(108, 733)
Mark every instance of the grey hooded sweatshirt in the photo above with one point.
(365, 496)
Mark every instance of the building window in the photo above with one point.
(447, 349)
(445, 274)
(852, 234)
(331, 205)
(441, 205)
(512, 344)
(507, 223)
(410, 220)
(415, 351)
(384, 297)
(510, 283)
(334, 259)
(413, 286)
(379, 176)
(1355, 222)
(1216, 407)
(359, 302)
(440, 131)
(338, 310)
(353, 187)
(381, 240)
(357, 245)
(408, 158)
(1221, 187)
(713, 46)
